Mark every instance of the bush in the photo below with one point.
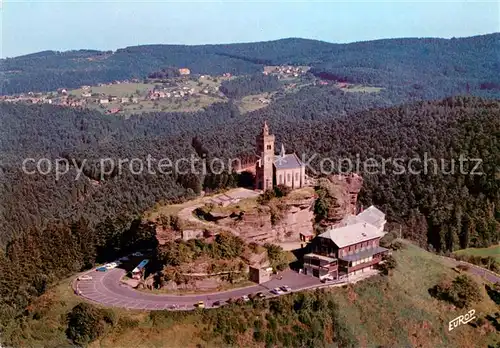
(86, 323)
(127, 323)
(281, 190)
(397, 245)
(277, 256)
(387, 240)
(463, 291)
(388, 264)
(266, 196)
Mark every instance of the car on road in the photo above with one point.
(84, 277)
(277, 291)
(261, 295)
(101, 269)
(245, 298)
(328, 278)
(285, 288)
(200, 304)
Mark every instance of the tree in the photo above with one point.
(86, 323)
(464, 291)
(388, 263)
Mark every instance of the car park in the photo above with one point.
(84, 277)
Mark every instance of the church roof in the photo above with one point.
(288, 161)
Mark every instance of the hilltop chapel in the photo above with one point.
(271, 169)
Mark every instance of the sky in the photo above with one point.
(34, 25)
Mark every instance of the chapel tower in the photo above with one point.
(265, 149)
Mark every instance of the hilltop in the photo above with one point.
(439, 66)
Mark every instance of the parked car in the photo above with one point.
(137, 253)
(200, 304)
(245, 298)
(124, 258)
(101, 269)
(277, 291)
(173, 306)
(84, 277)
(111, 265)
(286, 288)
(261, 295)
(216, 304)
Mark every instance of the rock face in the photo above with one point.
(267, 225)
(342, 194)
(281, 221)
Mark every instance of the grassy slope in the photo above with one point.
(395, 311)
(402, 313)
(493, 251)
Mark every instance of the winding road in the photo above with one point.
(107, 289)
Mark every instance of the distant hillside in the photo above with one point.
(439, 66)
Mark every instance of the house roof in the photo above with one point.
(288, 161)
(363, 254)
(372, 215)
(352, 234)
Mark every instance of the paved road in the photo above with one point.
(490, 276)
(106, 288)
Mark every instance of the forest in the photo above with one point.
(253, 84)
(436, 67)
(52, 228)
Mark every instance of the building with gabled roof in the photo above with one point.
(350, 248)
(373, 216)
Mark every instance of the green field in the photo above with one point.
(493, 251)
(119, 90)
(195, 102)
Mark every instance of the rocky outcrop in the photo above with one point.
(341, 194)
(267, 224)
